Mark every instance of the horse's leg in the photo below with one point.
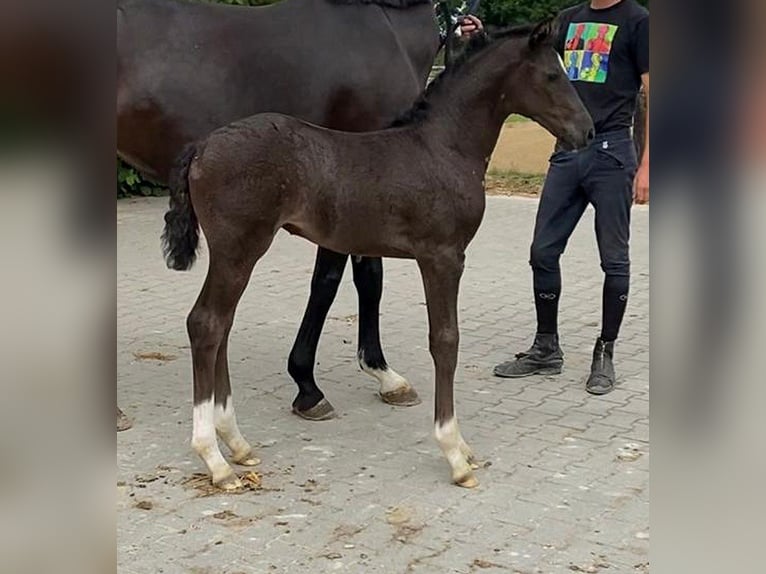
(225, 419)
(208, 324)
(441, 280)
(310, 402)
(368, 279)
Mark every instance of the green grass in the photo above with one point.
(516, 119)
(509, 182)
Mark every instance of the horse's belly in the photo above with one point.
(357, 238)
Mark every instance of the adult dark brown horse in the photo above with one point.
(185, 69)
(418, 188)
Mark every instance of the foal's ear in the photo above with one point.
(542, 34)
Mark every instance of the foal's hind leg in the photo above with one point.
(208, 324)
(368, 279)
(441, 279)
(225, 419)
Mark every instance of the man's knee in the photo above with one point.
(544, 258)
(616, 267)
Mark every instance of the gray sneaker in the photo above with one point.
(602, 379)
(545, 357)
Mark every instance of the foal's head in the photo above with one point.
(538, 87)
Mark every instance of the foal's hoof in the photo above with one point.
(467, 481)
(322, 411)
(229, 484)
(401, 397)
(123, 422)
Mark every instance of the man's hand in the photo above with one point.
(470, 25)
(641, 184)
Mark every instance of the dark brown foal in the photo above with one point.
(423, 199)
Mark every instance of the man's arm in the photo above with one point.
(641, 183)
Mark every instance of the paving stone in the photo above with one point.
(554, 495)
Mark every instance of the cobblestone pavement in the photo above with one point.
(566, 482)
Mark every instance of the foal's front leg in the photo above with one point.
(368, 280)
(441, 280)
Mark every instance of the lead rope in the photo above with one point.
(449, 23)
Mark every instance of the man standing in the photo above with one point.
(606, 175)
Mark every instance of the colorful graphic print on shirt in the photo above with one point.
(587, 49)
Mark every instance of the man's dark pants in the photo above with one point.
(601, 175)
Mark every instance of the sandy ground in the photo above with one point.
(523, 147)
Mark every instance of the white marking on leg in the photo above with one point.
(204, 441)
(390, 381)
(453, 446)
(226, 426)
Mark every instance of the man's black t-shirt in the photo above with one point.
(605, 52)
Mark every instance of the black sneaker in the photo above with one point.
(545, 357)
(602, 379)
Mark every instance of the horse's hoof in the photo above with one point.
(322, 411)
(229, 484)
(123, 422)
(467, 481)
(401, 397)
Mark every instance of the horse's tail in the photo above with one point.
(181, 235)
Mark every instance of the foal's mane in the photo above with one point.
(476, 45)
(385, 3)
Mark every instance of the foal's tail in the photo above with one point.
(181, 235)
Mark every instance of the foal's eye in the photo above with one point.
(553, 76)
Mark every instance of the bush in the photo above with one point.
(131, 183)
(507, 12)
